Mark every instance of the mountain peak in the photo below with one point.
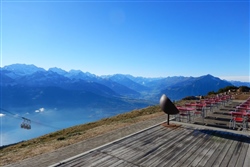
(75, 71)
(78, 74)
(208, 75)
(23, 69)
(58, 70)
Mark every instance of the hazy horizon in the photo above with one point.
(228, 78)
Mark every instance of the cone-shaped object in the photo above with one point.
(167, 106)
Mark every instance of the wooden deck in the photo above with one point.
(170, 146)
(184, 145)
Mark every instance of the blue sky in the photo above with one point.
(141, 38)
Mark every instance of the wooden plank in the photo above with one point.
(87, 157)
(91, 159)
(239, 151)
(217, 144)
(235, 154)
(128, 146)
(146, 146)
(227, 157)
(180, 150)
(217, 152)
(203, 153)
(192, 157)
(194, 149)
(247, 159)
(220, 116)
(126, 164)
(82, 161)
(117, 147)
(156, 139)
(211, 121)
(142, 134)
(110, 161)
(188, 148)
(152, 157)
(116, 164)
(87, 162)
(131, 139)
(243, 154)
(98, 162)
(154, 146)
(134, 150)
(124, 142)
(177, 147)
(222, 154)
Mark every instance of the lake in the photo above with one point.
(45, 121)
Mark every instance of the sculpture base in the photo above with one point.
(170, 125)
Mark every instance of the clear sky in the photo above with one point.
(141, 38)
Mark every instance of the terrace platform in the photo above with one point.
(182, 145)
(205, 141)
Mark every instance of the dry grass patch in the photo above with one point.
(242, 96)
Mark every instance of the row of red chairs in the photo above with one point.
(199, 108)
(241, 115)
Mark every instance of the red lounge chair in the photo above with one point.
(237, 118)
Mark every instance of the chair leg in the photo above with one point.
(244, 125)
(230, 124)
(177, 117)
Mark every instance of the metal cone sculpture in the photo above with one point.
(167, 106)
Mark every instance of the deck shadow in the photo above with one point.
(226, 135)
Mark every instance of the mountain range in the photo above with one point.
(28, 85)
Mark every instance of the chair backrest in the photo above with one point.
(189, 105)
(237, 116)
(241, 110)
(243, 105)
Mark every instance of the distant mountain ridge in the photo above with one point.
(21, 82)
(196, 86)
(239, 83)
